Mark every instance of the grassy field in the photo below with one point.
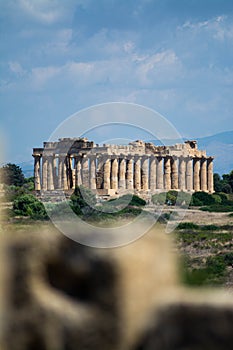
(206, 254)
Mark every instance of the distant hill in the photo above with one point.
(221, 147)
(27, 168)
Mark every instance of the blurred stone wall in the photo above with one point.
(58, 295)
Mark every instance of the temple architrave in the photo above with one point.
(138, 167)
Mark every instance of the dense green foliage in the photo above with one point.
(128, 199)
(171, 198)
(82, 200)
(217, 202)
(216, 241)
(11, 175)
(213, 272)
(224, 184)
(29, 205)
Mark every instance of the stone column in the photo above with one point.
(196, 174)
(182, 174)
(64, 174)
(69, 172)
(44, 173)
(50, 174)
(122, 171)
(37, 172)
(145, 173)
(152, 170)
(204, 174)
(55, 172)
(160, 182)
(60, 167)
(85, 171)
(174, 176)
(167, 173)
(210, 175)
(129, 174)
(137, 173)
(92, 176)
(100, 172)
(189, 174)
(78, 175)
(73, 171)
(114, 174)
(107, 168)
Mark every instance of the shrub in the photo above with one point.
(218, 208)
(159, 198)
(223, 196)
(183, 198)
(195, 202)
(171, 197)
(128, 199)
(61, 209)
(28, 205)
(212, 273)
(187, 225)
(217, 198)
(81, 198)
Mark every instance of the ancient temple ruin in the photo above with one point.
(139, 167)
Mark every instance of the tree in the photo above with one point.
(11, 174)
(224, 184)
(218, 183)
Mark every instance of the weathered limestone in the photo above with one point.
(182, 173)
(107, 168)
(85, 172)
(93, 173)
(55, 172)
(204, 175)
(100, 173)
(152, 170)
(196, 174)
(50, 174)
(189, 174)
(129, 174)
(167, 173)
(44, 173)
(64, 174)
(37, 172)
(145, 173)
(174, 170)
(137, 173)
(122, 170)
(138, 166)
(159, 177)
(78, 176)
(210, 175)
(114, 174)
(60, 167)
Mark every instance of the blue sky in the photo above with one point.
(58, 57)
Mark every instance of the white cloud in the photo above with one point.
(16, 68)
(47, 11)
(41, 75)
(219, 28)
(164, 65)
